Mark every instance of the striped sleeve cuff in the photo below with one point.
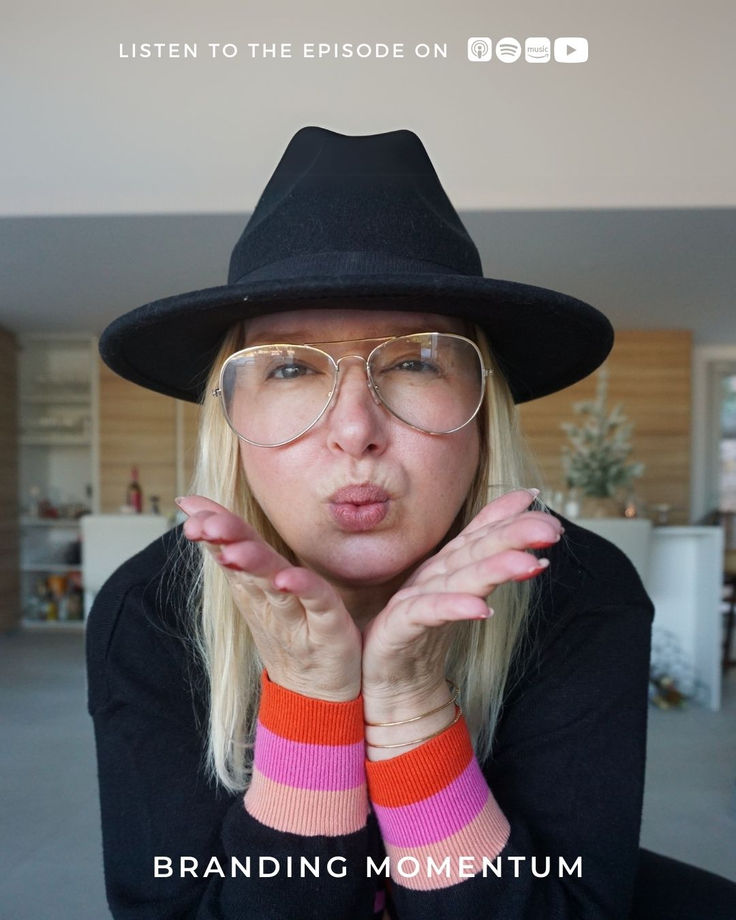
(433, 804)
(308, 764)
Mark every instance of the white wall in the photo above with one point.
(648, 121)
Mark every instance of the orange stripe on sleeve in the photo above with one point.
(308, 720)
(421, 772)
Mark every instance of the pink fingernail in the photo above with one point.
(534, 570)
(279, 587)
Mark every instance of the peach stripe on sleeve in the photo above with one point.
(308, 812)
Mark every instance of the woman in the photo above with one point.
(324, 644)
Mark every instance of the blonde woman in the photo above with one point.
(304, 704)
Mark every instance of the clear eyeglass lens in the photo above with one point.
(432, 381)
(271, 394)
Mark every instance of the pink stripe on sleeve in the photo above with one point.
(308, 766)
(446, 862)
(438, 816)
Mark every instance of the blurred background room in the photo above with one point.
(126, 179)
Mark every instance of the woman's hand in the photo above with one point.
(307, 640)
(405, 646)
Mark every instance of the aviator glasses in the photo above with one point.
(273, 394)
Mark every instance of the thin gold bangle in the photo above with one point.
(417, 718)
(419, 740)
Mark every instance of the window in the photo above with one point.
(727, 439)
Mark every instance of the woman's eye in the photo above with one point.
(290, 372)
(416, 366)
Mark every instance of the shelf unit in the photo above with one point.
(57, 413)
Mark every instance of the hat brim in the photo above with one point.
(543, 340)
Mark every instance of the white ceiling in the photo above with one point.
(613, 180)
(648, 121)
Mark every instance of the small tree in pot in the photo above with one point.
(596, 460)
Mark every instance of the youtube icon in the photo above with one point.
(571, 50)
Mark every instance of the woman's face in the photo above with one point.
(361, 498)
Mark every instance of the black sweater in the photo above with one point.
(567, 766)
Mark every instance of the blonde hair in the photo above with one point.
(482, 651)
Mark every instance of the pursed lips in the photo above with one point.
(359, 507)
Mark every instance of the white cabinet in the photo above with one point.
(686, 575)
(681, 568)
(109, 539)
(57, 413)
(633, 536)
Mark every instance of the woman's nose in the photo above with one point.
(357, 423)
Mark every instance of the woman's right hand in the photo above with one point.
(306, 638)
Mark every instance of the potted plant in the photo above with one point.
(596, 460)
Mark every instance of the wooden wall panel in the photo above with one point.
(9, 533)
(190, 422)
(650, 375)
(137, 428)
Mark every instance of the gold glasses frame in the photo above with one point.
(334, 363)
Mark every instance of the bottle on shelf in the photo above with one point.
(34, 498)
(134, 496)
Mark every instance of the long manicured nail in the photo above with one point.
(540, 566)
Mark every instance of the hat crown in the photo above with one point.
(358, 223)
(340, 204)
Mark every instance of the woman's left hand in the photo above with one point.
(405, 646)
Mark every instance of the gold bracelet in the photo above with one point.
(417, 718)
(419, 740)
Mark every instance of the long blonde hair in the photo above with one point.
(482, 651)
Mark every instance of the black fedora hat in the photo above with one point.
(358, 223)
